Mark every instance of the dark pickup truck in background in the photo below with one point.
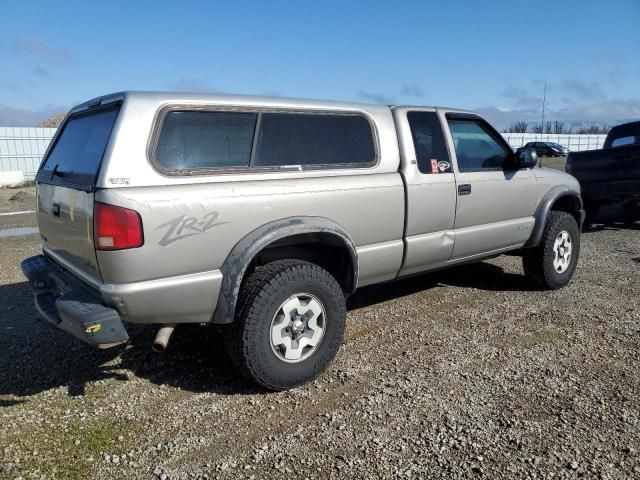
(610, 176)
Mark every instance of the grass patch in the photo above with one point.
(95, 438)
(66, 457)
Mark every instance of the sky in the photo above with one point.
(488, 56)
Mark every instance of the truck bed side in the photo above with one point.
(607, 175)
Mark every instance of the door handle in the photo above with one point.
(464, 189)
(56, 210)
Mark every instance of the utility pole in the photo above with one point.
(544, 99)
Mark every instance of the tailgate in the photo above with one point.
(65, 219)
(66, 182)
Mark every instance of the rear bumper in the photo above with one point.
(68, 304)
(190, 298)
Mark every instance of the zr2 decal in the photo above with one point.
(184, 227)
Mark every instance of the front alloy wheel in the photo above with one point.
(562, 248)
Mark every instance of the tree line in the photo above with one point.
(555, 127)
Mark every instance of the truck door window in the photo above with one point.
(476, 148)
(428, 140)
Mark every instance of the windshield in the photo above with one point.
(75, 158)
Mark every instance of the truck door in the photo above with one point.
(495, 199)
(430, 189)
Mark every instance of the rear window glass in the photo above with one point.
(313, 139)
(76, 156)
(205, 140)
(620, 142)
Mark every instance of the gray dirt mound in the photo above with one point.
(22, 197)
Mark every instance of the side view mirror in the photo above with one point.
(526, 157)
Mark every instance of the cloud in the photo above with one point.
(574, 101)
(35, 47)
(38, 71)
(521, 97)
(190, 84)
(501, 117)
(615, 76)
(19, 117)
(376, 97)
(412, 90)
(583, 90)
(604, 112)
(14, 87)
(572, 91)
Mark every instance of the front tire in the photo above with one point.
(289, 326)
(551, 265)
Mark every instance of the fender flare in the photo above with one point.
(241, 255)
(544, 207)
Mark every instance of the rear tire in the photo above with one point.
(289, 324)
(551, 264)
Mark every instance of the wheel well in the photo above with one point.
(569, 204)
(324, 249)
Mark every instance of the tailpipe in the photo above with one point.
(162, 337)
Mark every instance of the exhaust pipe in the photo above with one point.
(162, 337)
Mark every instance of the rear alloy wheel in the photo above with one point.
(289, 324)
(552, 264)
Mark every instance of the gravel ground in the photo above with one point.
(456, 374)
(554, 162)
(14, 199)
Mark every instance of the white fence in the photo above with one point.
(21, 149)
(573, 142)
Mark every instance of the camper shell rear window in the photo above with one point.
(74, 159)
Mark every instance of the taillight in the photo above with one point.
(116, 228)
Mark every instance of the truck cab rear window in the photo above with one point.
(206, 140)
(622, 141)
(75, 158)
(429, 143)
